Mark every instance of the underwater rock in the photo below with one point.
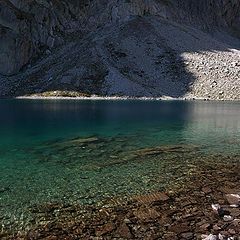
(81, 141)
(4, 189)
(152, 198)
(146, 214)
(73, 143)
(165, 149)
(182, 212)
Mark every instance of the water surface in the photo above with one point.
(87, 151)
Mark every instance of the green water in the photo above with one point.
(87, 151)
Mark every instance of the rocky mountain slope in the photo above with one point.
(176, 48)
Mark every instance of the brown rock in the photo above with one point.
(205, 227)
(206, 190)
(235, 212)
(179, 228)
(124, 231)
(190, 217)
(155, 197)
(233, 199)
(33, 234)
(146, 214)
(107, 228)
(236, 222)
(170, 236)
(221, 201)
(229, 190)
(187, 235)
(232, 231)
(216, 228)
(225, 233)
(165, 220)
(186, 203)
(51, 238)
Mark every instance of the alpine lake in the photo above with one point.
(87, 153)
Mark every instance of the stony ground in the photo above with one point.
(206, 207)
(217, 74)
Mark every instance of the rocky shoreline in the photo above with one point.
(205, 206)
(71, 95)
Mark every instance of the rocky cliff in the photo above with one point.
(127, 47)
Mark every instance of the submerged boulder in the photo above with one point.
(165, 149)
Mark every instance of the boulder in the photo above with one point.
(233, 199)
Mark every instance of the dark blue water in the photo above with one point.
(86, 151)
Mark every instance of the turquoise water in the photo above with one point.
(87, 151)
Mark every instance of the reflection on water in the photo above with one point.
(86, 151)
(216, 125)
(217, 115)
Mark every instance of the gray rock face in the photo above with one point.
(28, 28)
(102, 32)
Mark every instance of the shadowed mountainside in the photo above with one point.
(135, 48)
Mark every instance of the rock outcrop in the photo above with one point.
(131, 47)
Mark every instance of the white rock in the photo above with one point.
(216, 208)
(209, 237)
(220, 236)
(227, 218)
(234, 205)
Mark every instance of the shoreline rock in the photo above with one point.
(184, 212)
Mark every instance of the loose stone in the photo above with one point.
(227, 218)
